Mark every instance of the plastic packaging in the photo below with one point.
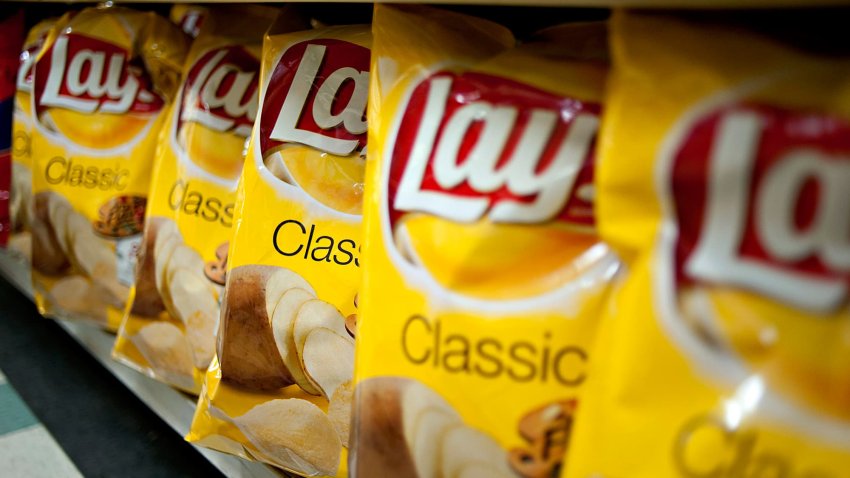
(20, 198)
(170, 324)
(280, 389)
(101, 86)
(483, 274)
(723, 182)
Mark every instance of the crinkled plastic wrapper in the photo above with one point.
(723, 182)
(190, 18)
(20, 195)
(101, 86)
(12, 26)
(279, 390)
(170, 322)
(484, 276)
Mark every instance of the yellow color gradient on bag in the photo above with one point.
(279, 390)
(170, 324)
(20, 200)
(723, 181)
(101, 86)
(483, 274)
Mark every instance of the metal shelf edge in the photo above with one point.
(702, 4)
(173, 407)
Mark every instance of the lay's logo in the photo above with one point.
(89, 75)
(25, 68)
(220, 91)
(317, 97)
(475, 144)
(761, 199)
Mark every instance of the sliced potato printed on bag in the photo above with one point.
(378, 434)
(21, 243)
(192, 197)
(283, 322)
(146, 298)
(723, 161)
(195, 305)
(21, 198)
(296, 432)
(465, 447)
(92, 146)
(339, 411)
(293, 266)
(164, 345)
(415, 432)
(484, 274)
(328, 360)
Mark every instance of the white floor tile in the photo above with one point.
(32, 453)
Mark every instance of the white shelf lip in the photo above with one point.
(173, 407)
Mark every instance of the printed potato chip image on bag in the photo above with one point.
(723, 181)
(484, 276)
(20, 200)
(169, 326)
(101, 86)
(279, 390)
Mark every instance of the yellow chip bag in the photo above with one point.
(280, 388)
(169, 326)
(724, 182)
(20, 200)
(483, 274)
(191, 18)
(100, 89)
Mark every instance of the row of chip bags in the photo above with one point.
(424, 248)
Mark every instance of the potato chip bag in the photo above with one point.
(723, 181)
(101, 85)
(191, 18)
(181, 271)
(12, 25)
(20, 200)
(483, 275)
(279, 390)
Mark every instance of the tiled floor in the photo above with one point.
(26, 447)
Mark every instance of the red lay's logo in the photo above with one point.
(761, 200)
(220, 91)
(474, 144)
(25, 68)
(317, 96)
(191, 22)
(86, 74)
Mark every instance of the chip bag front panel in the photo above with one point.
(719, 181)
(280, 388)
(10, 47)
(20, 200)
(483, 273)
(170, 323)
(100, 89)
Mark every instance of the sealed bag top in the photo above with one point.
(484, 275)
(723, 182)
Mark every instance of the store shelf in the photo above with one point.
(173, 407)
(548, 3)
